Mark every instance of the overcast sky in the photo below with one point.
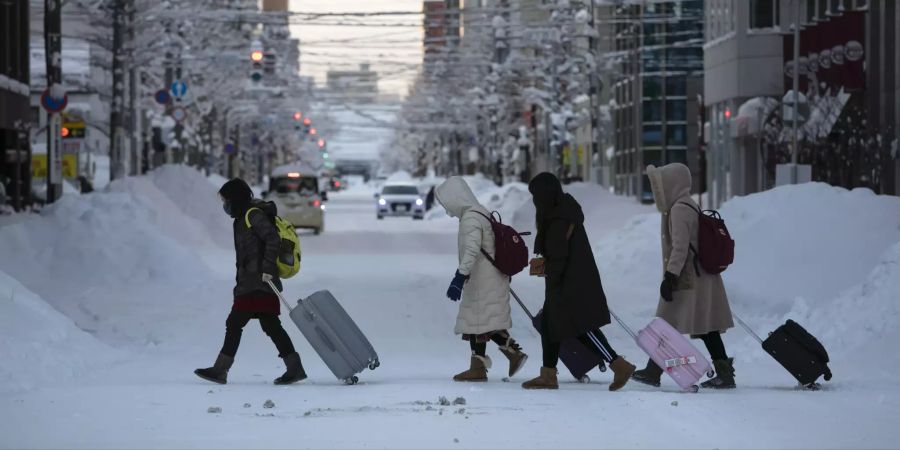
(394, 51)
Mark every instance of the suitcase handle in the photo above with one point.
(626, 327)
(518, 300)
(326, 340)
(280, 297)
(747, 328)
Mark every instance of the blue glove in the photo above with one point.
(454, 292)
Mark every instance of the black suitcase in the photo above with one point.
(797, 351)
(574, 355)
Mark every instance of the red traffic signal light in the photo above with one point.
(307, 121)
(256, 55)
(64, 132)
(313, 131)
(321, 143)
(298, 115)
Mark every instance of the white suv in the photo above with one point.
(400, 199)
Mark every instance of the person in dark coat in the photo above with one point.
(429, 199)
(574, 302)
(256, 244)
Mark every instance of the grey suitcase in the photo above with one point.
(333, 335)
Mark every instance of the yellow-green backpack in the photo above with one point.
(288, 260)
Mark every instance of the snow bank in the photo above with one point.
(801, 252)
(38, 345)
(133, 235)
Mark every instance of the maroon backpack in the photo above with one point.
(511, 253)
(716, 248)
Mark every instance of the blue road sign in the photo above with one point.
(162, 97)
(179, 88)
(229, 148)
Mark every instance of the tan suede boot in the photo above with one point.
(622, 371)
(478, 368)
(547, 380)
(515, 355)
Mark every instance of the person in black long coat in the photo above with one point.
(574, 302)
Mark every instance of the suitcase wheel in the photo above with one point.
(710, 373)
(827, 375)
(584, 379)
(694, 389)
(602, 367)
(374, 365)
(352, 380)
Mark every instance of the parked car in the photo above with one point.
(298, 199)
(400, 199)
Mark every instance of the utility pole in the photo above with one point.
(116, 119)
(796, 138)
(53, 60)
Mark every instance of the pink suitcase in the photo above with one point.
(672, 351)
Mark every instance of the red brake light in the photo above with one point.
(315, 203)
(337, 184)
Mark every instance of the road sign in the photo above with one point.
(229, 148)
(162, 97)
(179, 88)
(53, 105)
(54, 150)
(179, 114)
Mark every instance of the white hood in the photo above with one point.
(455, 196)
(669, 184)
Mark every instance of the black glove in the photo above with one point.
(668, 284)
(454, 292)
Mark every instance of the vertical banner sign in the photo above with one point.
(54, 157)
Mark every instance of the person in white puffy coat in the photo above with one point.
(484, 313)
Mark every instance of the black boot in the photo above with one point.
(294, 370)
(218, 373)
(649, 375)
(724, 375)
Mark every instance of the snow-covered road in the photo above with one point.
(391, 276)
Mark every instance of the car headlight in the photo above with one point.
(419, 202)
(382, 201)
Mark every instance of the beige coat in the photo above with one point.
(699, 304)
(485, 297)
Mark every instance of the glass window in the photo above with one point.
(676, 110)
(862, 3)
(302, 185)
(676, 86)
(400, 190)
(810, 10)
(834, 6)
(652, 87)
(822, 10)
(764, 13)
(676, 135)
(652, 111)
(652, 135)
(676, 156)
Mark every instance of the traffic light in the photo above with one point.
(313, 132)
(256, 68)
(321, 143)
(298, 115)
(70, 132)
(65, 132)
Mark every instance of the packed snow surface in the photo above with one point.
(108, 301)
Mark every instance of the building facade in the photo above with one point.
(15, 151)
(848, 72)
(659, 71)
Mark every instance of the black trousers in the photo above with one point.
(714, 344)
(480, 348)
(594, 340)
(271, 325)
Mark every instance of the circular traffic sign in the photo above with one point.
(179, 114)
(162, 97)
(229, 148)
(179, 88)
(53, 105)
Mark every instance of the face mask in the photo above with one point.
(226, 205)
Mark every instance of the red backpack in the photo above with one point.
(511, 253)
(716, 248)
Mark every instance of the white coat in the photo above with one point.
(485, 298)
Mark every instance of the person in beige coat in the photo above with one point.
(693, 301)
(484, 313)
